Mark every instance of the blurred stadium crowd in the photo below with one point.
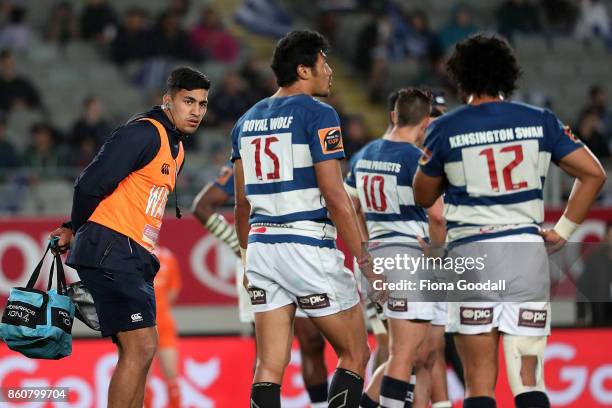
(71, 71)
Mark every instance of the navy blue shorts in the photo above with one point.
(119, 274)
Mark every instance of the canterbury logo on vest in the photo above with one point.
(165, 168)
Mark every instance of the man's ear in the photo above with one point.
(303, 72)
(393, 116)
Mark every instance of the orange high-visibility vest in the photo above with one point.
(137, 205)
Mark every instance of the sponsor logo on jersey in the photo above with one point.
(257, 295)
(568, 132)
(315, 301)
(331, 140)
(425, 157)
(475, 316)
(397, 304)
(165, 168)
(224, 174)
(532, 318)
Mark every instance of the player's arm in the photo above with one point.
(352, 192)
(339, 205)
(437, 224)
(427, 189)
(204, 207)
(242, 207)
(576, 160)
(590, 178)
(429, 179)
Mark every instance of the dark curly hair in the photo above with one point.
(484, 65)
(299, 47)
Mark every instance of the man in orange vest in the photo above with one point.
(117, 211)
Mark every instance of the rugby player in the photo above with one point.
(381, 177)
(290, 203)
(312, 344)
(489, 158)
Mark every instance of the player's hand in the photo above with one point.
(430, 250)
(367, 270)
(552, 240)
(65, 239)
(245, 281)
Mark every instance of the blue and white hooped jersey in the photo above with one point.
(381, 176)
(495, 158)
(279, 140)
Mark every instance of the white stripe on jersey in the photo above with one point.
(306, 228)
(414, 228)
(506, 215)
(301, 156)
(352, 191)
(286, 203)
(455, 171)
(406, 195)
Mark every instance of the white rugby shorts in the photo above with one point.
(311, 277)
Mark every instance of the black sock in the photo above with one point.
(367, 402)
(345, 389)
(317, 393)
(479, 402)
(265, 395)
(393, 392)
(409, 396)
(532, 399)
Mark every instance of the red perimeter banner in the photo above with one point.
(207, 266)
(217, 372)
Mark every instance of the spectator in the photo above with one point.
(231, 101)
(84, 153)
(9, 158)
(598, 100)
(170, 40)
(560, 15)
(421, 42)
(374, 45)
(16, 35)
(595, 285)
(133, 40)
(590, 130)
(517, 16)
(15, 91)
(62, 26)
(265, 17)
(43, 152)
(98, 22)
(593, 21)
(211, 39)
(356, 135)
(460, 27)
(179, 7)
(91, 126)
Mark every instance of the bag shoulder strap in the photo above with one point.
(36, 273)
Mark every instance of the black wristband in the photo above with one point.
(68, 224)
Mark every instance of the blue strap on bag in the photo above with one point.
(36, 323)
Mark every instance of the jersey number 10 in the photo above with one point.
(369, 191)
